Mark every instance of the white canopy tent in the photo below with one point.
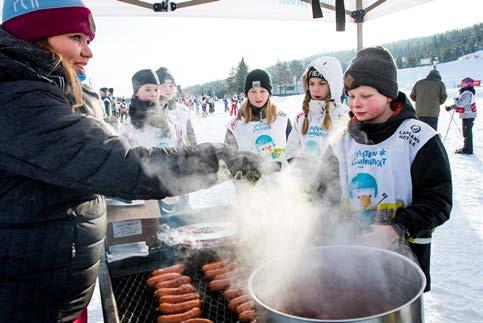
(357, 11)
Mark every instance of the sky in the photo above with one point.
(199, 50)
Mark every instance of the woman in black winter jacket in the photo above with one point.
(57, 158)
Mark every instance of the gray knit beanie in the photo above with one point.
(373, 66)
(143, 77)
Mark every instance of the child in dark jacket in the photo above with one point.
(394, 170)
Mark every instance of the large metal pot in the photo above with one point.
(339, 284)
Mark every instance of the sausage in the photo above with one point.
(166, 308)
(174, 282)
(247, 306)
(218, 285)
(183, 289)
(152, 281)
(236, 273)
(175, 318)
(237, 301)
(246, 316)
(215, 265)
(173, 299)
(177, 268)
(232, 293)
(198, 320)
(223, 270)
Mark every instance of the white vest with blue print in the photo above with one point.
(268, 140)
(148, 136)
(376, 179)
(315, 141)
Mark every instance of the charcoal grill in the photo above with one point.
(127, 299)
(136, 303)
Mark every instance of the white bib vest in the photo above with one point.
(376, 179)
(315, 141)
(268, 140)
(180, 116)
(148, 136)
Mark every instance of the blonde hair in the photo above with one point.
(246, 111)
(326, 123)
(69, 72)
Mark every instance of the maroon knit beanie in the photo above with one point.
(34, 20)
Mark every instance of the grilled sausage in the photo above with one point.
(215, 265)
(198, 320)
(173, 299)
(247, 316)
(218, 285)
(183, 289)
(247, 306)
(175, 318)
(177, 268)
(167, 308)
(238, 273)
(174, 282)
(232, 293)
(152, 281)
(237, 301)
(210, 274)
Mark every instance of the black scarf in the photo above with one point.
(258, 114)
(150, 113)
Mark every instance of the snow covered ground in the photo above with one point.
(457, 249)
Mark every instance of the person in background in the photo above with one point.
(465, 105)
(308, 145)
(234, 106)
(57, 160)
(168, 92)
(322, 81)
(123, 110)
(150, 124)
(394, 170)
(429, 93)
(106, 101)
(259, 127)
(225, 104)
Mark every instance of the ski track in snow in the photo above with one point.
(457, 249)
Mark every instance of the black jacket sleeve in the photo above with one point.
(45, 140)
(432, 191)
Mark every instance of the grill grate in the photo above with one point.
(136, 302)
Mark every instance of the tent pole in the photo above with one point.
(359, 26)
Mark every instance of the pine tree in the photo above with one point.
(241, 74)
(231, 83)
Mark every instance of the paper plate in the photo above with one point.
(203, 235)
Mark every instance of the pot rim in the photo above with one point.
(339, 246)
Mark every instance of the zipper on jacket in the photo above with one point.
(73, 250)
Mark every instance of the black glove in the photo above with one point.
(447, 108)
(245, 165)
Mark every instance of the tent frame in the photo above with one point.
(357, 15)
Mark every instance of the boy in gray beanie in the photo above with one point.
(396, 178)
